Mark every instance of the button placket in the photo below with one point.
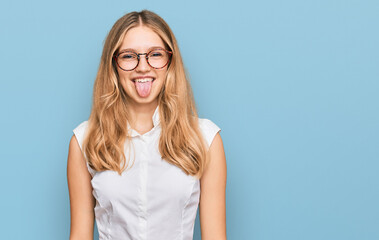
(143, 189)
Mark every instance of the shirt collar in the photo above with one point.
(156, 122)
(156, 119)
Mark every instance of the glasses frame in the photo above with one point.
(115, 56)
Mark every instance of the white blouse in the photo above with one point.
(152, 199)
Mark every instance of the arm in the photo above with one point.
(80, 190)
(212, 194)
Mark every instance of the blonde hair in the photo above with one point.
(181, 142)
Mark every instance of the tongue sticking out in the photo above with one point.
(143, 88)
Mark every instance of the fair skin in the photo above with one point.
(141, 40)
(212, 194)
(213, 181)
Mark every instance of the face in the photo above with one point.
(142, 39)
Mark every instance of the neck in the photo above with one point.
(141, 115)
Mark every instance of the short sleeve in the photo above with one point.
(80, 132)
(209, 130)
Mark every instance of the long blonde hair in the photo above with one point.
(181, 142)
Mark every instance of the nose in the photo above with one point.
(143, 66)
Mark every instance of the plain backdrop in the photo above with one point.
(293, 85)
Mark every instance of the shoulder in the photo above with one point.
(80, 132)
(209, 129)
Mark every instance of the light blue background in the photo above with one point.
(292, 84)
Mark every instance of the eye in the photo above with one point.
(128, 56)
(157, 53)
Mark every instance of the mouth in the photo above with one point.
(143, 85)
(142, 80)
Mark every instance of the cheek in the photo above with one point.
(162, 79)
(123, 79)
(122, 75)
(124, 83)
(162, 75)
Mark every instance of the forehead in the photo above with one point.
(141, 39)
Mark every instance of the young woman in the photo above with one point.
(143, 162)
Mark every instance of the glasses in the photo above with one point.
(156, 58)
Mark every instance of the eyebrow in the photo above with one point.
(134, 50)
